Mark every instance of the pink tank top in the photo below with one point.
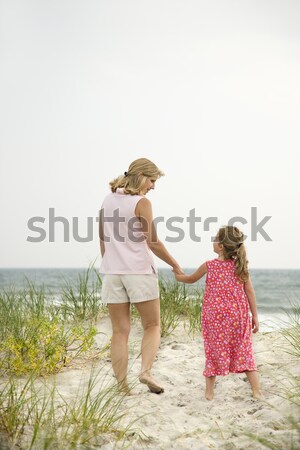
(126, 249)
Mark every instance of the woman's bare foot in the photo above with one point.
(124, 389)
(146, 378)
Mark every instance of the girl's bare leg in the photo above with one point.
(120, 319)
(210, 384)
(253, 378)
(150, 316)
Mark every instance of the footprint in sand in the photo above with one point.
(254, 410)
(177, 347)
(238, 397)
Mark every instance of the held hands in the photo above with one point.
(177, 271)
(255, 324)
(180, 277)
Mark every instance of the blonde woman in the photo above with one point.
(226, 324)
(128, 240)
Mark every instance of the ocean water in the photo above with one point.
(277, 291)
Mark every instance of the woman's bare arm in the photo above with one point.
(101, 233)
(144, 213)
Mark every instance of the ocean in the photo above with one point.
(277, 290)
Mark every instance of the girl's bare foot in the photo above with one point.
(210, 384)
(258, 394)
(209, 394)
(146, 378)
(253, 378)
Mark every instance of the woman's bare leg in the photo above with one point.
(120, 320)
(210, 384)
(253, 378)
(150, 316)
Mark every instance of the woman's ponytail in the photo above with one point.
(118, 182)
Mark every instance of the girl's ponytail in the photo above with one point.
(241, 262)
(234, 248)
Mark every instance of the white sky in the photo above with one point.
(208, 90)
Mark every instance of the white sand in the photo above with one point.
(181, 418)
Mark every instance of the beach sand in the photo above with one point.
(181, 417)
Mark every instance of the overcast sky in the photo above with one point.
(208, 90)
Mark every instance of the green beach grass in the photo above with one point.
(288, 389)
(38, 339)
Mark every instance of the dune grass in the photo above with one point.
(179, 303)
(34, 335)
(83, 300)
(292, 333)
(34, 415)
(288, 389)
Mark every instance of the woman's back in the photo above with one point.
(126, 251)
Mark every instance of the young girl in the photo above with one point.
(226, 325)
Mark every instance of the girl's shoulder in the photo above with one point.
(218, 263)
(210, 263)
(214, 261)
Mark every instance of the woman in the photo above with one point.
(127, 240)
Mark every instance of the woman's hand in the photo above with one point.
(177, 270)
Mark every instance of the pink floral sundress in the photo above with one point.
(226, 325)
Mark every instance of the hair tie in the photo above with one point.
(125, 174)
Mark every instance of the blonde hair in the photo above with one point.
(133, 181)
(234, 248)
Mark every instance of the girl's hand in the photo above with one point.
(180, 277)
(255, 324)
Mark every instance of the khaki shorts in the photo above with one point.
(129, 288)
